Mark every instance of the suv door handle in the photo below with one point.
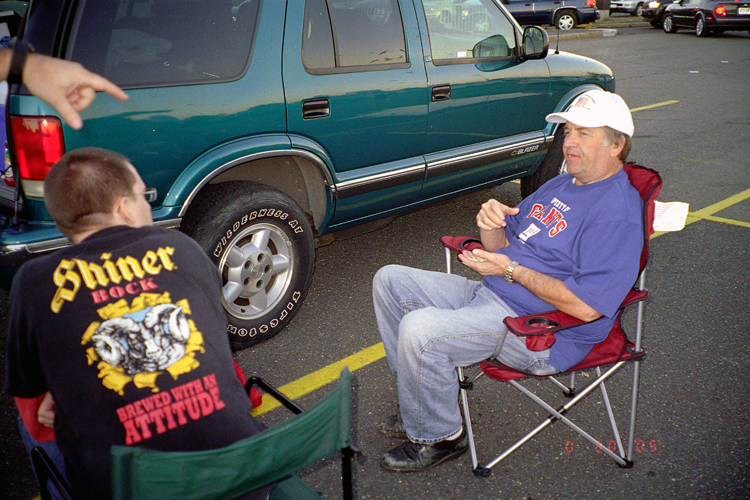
(316, 108)
(441, 92)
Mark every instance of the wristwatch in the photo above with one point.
(509, 271)
(18, 60)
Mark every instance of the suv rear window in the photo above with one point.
(163, 42)
(351, 35)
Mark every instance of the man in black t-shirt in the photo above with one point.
(124, 328)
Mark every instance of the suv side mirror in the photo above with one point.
(494, 46)
(535, 43)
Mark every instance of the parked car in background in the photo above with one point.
(632, 7)
(653, 11)
(707, 16)
(262, 129)
(562, 14)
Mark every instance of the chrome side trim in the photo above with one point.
(58, 243)
(442, 167)
(380, 181)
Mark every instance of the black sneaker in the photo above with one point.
(393, 427)
(413, 457)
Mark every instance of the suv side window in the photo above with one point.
(164, 42)
(468, 30)
(352, 35)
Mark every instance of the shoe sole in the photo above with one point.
(455, 454)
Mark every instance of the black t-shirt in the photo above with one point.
(127, 331)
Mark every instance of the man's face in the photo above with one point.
(588, 157)
(140, 209)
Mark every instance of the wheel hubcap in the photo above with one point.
(565, 23)
(256, 271)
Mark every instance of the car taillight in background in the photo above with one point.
(590, 3)
(38, 144)
(720, 11)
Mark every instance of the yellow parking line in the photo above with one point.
(318, 379)
(651, 106)
(330, 373)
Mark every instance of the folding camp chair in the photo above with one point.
(270, 456)
(616, 350)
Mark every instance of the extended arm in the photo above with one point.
(549, 289)
(67, 86)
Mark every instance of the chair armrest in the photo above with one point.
(541, 323)
(552, 321)
(460, 243)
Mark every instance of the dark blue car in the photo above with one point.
(563, 14)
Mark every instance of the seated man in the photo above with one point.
(574, 245)
(124, 328)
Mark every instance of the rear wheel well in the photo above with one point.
(298, 177)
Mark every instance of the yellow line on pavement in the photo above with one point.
(651, 106)
(318, 379)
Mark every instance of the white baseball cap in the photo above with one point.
(597, 108)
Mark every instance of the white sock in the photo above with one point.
(455, 436)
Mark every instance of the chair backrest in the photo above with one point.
(648, 183)
(274, 454)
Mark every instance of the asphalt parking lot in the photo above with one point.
(691, 118)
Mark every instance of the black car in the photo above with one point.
(654, 10)
(707, 16)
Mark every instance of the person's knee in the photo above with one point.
(416, 330)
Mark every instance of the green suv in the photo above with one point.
(264, 124)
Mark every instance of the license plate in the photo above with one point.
(744, 11)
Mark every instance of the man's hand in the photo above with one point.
(66, 85)
(492, 215)
(491, 223)
(46, 412)
(485, 263)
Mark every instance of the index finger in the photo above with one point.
(101, 84)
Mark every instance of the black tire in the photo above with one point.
(638, 10)
(668, 24)
(566, 20)
(550, 167)
(701, 29)
(263, 245)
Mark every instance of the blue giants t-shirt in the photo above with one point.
(590, 237)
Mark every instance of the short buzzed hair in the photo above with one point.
(81, 189)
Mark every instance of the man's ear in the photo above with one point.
(617, 147)
(124, 211)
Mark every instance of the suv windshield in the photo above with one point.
(163, 42)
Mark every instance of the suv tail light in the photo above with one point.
(590, 3)
(720, 11)
(38, 144)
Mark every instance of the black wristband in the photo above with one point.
(20, 50)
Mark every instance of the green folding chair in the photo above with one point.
(274, 455)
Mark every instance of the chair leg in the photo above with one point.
(633, 409)
(610, 414)
(467, 417)
(556, 415)
(346, 472)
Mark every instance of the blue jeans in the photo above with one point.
(52, 450)
(431, 323)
